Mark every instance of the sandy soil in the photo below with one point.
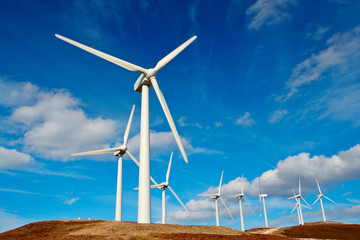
(99, 229)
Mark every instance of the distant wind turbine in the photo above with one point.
(216, 196)
(165, 185)
(118, 152)
(240, 196)
(320, 196)
(298, 198)
(146, 79)
(263, 196)
(300, 217)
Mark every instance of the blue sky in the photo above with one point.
(269, 89)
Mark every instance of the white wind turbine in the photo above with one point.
(216, 196)
(320, 196)
(146, 79)
(298, 205)
(118, 152)
(263, 196)
(300, 219)
(240, 196)
(165, 185)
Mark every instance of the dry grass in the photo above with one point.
(98, 229)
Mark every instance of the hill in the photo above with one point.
(100, 229)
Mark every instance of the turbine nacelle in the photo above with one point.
(121, 151)
(263, 195)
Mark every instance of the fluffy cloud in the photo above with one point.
(12, 159)
(17, 94)
(54, 126)
(279, 182)
(278, 115)
(245, 120)
(269, 12)
(342, 50)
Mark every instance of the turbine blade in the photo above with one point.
(137, 163)
(117, 61)
(299, 187)
(168, 117)
(294, 192)
(173, 54)
(318, 186)
(328, 198)
(132, 157)
(102, 151)
(305, 206)
(178, 198)
(127, 131)
(291, 197)
(222, 173)
(242, 184)
(156, 186)
(226, 208)
(249, 205)
(316, 200)
(168, 171)
(206, 195)
(296, 205)
(138, 82)
(305, 202)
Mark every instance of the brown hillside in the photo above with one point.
(98, 229)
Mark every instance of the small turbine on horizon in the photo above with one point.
(298, 204)
(320, 196)
(216, 196)
(118, 152)
(240, 196)
(263, 196)
(162, 187)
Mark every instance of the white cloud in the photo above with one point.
(319, 33)
(278, 115)
(164, 142)
(182, 123)
(269, 12)
(245, 120)
(17, 94)
(55, 126)
(280, 181)
(12, 159)
(343, 49)
(70, 201)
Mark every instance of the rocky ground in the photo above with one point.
(99, 229)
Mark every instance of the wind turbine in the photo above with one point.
(263, 196)
(118, 152)
(142, 84)
(216, 196)
(240, 196)
(320, 198)
(165, 185)
(300, 219)
(298, 198)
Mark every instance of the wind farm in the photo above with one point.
(266, 92)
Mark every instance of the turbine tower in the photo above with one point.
(263, 196)
(118, 152)
(142, 84)
(320, 196)
(300, 219)
(165, 185)
(216, 196)
(298, 198)
(240, 196)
